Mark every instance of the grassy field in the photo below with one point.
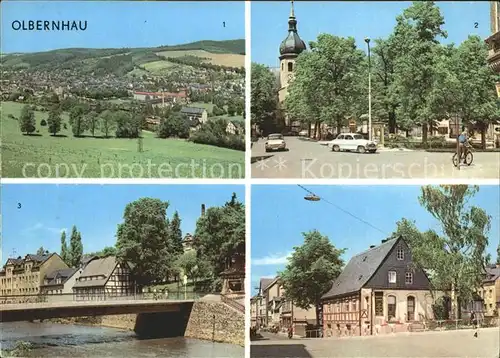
(222, 59)
(43, 156)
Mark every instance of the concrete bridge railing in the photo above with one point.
(71, 297)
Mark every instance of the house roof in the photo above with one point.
(266, 282)
(99, 267)
(192, 110)
(492, 274)
(65, 274)
(360, 269)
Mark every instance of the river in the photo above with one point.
(61, 340)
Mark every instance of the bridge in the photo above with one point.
(27, 308)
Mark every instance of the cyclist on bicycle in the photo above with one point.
(462, 144)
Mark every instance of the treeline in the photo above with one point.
(214, 133)
(195, 62)
(82, 118)
(146, 224)
(101, 93)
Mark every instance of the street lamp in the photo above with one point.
(367, 40)
(312, 197)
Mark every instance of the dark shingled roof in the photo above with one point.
(265, 282)
(65, 274)
(359, 270)
(192, 110)
(102, 267)
(492, 274)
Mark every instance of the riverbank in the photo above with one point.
(209, 321)
(25, 339)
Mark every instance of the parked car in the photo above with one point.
(352, 142)
(275, 142)
(303, 133)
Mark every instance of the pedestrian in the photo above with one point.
(462, 142)
(473, 320)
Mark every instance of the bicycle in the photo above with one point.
(469, 157)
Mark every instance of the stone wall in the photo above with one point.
(217, 322)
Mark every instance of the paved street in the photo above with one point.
(311, 160)
(425, 344)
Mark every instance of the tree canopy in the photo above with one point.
(311, 270)
(455, 257)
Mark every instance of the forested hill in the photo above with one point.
(84, 56)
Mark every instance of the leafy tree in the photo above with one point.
(54, 122)
(188, 263)
(143, 240)
(418, 65)
(65, 255)
(76, 120)
(175, 125)
(220, 235)
(108, 122)
(75, 247)
(128, 125)
(27, 120)
(264, 94)
(498, 254)
(329, 83)
(311, 270)
(475, 96)
(92, 122)
(107, 251)
(176, 233)
(41, 251)
(456, 257)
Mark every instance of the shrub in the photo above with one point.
(43, 122)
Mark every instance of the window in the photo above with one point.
(354, 305)
(391, 307)
(282, 66)
(379, 303)
(392, 276)
(409, 278)
(401, 254)
(290, 66)
(348, 137)
(340, 137)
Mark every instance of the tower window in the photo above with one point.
(282, 66)
(290, 66)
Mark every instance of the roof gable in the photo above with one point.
(360, 269)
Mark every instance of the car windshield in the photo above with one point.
(358, 136)
(275, 136)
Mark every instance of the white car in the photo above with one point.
(275, 142)
(352, 142)
(303, 133)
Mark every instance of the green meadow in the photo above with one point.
(42, 155)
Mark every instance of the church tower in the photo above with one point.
(291, 47)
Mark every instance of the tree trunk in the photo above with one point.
(309, 129)
(483, 135)
(317, 313)
(392, 122)
(454, 306)
(318, 130)
(339, 127)
(424, 134)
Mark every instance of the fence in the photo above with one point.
(71, 297)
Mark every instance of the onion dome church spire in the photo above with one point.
(292, 45)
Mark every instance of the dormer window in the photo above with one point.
(401, 254)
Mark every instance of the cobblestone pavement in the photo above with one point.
(425, 344)
(311, 160)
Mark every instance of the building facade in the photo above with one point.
(380, 290)
(195, 114)
(25, 276)
(490, 291)
(290, 48)
(104, 278)
(60, 281)
(494, 40)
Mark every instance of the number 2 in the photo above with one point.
(476, 25)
